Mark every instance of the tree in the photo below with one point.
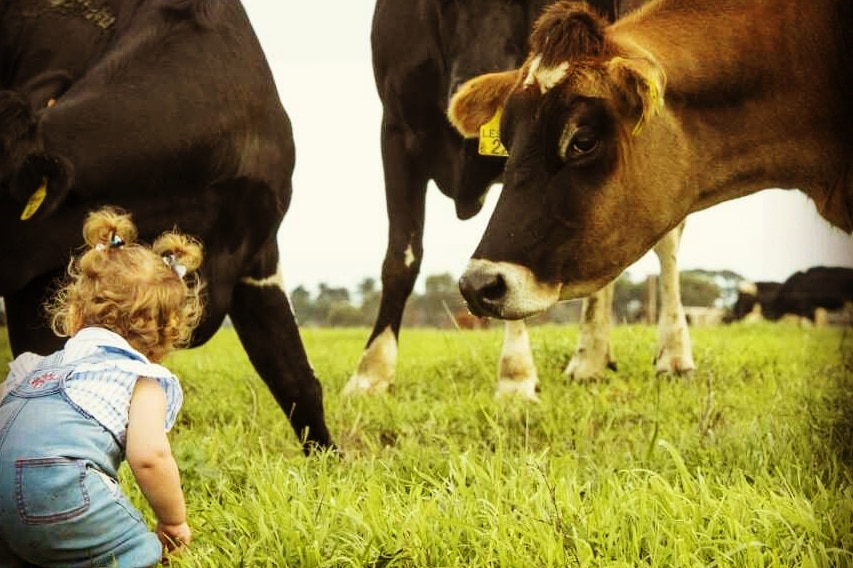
(329, 298)
(442, 294)
(370, 298)
(303, 307)
(628, 298)
(710, 287)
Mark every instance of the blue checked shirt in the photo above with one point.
(103, 385)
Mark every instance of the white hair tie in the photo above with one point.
(171, 261)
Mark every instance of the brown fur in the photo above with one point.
(567, 31)
(733, 97)
(477, 101)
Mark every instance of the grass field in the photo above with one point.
(748, 463)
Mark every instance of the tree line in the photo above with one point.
(441, 305)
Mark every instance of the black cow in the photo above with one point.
(753, 300)
(423, 50)
(829, 288)
(166, 108)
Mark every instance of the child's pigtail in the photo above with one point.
(109, 228)
(181, 253)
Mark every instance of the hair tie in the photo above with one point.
(114, 242)
(170, 260)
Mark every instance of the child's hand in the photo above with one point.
(174, 537)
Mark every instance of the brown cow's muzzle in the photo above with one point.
(505, 290)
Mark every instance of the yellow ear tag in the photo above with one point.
(36, 199)
(490, 137)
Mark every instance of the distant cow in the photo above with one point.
(753, 300)
(803, 293)
(423, 50)
(616, 133)
(166, 108)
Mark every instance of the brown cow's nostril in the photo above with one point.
(494, 290)
(483, 290)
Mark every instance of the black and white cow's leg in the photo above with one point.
(593, 354)
(264, 321)
(405, 198)
(517, 377)
(674, 352)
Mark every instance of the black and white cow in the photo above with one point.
(803, 294)
(166, 108)
(753, 299)
(423, 50)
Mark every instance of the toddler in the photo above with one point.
(68, 420)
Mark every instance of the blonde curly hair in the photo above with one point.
(151, 296)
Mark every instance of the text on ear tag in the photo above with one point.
(490, 137)
(35, 201)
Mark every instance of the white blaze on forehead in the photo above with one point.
(545, 77)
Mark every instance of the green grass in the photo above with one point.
(748, 463)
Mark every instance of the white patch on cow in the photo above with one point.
(376, 368)
(517, 377)
(525, 295)
(593, 355)
(409, 256)
(546, 77)
(755, 315)
(275, 279)
(747, 287)
(675, 353)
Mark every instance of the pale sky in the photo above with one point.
(336, 229)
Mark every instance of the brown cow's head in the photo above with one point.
(574, 117)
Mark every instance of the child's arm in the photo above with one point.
(149, 456)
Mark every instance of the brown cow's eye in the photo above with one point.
(583, 143)
(577, 142)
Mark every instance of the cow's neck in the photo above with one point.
(760, 106)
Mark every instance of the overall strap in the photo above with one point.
(48, 377)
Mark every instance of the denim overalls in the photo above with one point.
(60, 503)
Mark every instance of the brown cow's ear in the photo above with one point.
(642, 82)
(477, 101)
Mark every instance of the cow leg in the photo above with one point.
(517, 377)
(265, 323)
(405, 198)
(593, 355)
(674, 352)
(27, 322)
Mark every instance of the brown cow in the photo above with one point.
(422, 51)
(616, 133)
